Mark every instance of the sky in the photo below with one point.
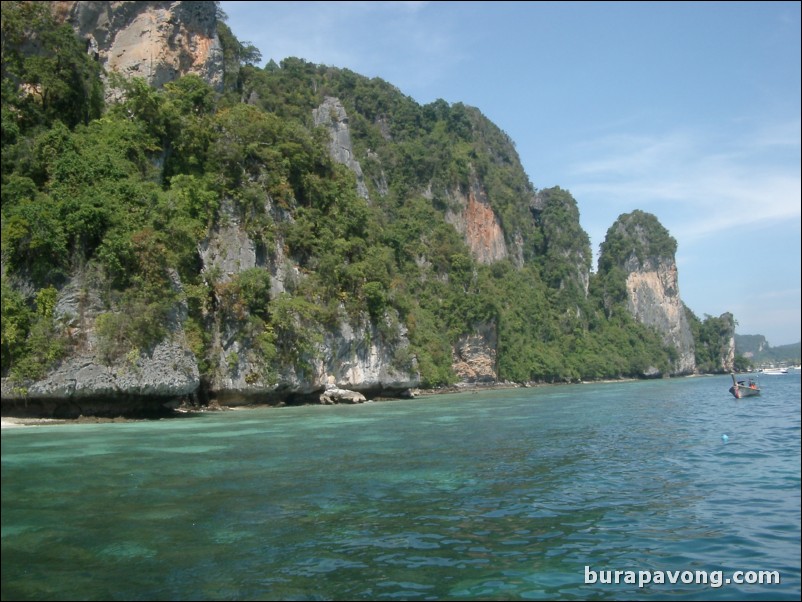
(686, 110)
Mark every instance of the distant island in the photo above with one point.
(757, 350)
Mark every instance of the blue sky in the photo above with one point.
(690, 111)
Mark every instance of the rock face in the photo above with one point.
(478, 224)
(474, 356)
(169, 371)
(727, 356)
(355, 355)
(85, 383)
(332, 115)
(228, 249)
(640, 246)
(358, 356)
(653, 299)
(158, 41)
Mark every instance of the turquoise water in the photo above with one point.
(495, 495)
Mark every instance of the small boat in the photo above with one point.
(744, 388)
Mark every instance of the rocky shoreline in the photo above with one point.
(176, 410)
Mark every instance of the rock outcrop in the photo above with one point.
(566, 244)
(474, 356)
(726, 359)
(333, 394)
(475, 219)
(158, 41)
(169, 371)
(331, 114)
(354, 357)
(641, 247)
(141, 382)
(653, 299)
(358, 356)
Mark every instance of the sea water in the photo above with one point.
(518, 494)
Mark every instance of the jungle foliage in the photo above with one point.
(125, 192)
(711, 337)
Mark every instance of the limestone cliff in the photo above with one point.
(352, 357)
(474, 218)
(158, 41)
(726, 356)
(332, 115)
(638, 246)
(654, 300)
(357, 354)
(715, 342)
(445, 265)
(87, 382)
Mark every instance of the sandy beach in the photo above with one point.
(9, 422)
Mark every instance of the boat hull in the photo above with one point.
(741, 389)
(740, 392)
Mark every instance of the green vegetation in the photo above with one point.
(127, 192)
(635, 236)
(759, 352)
(46, 72)
(712, 337)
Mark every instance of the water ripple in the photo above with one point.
(504, 495)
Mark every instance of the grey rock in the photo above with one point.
(331, 114)
(336, 395)
(158, 41)
(474, 356)
(653, 299)
(169, 371)
(228, 250)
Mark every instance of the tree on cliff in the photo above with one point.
(47, 74)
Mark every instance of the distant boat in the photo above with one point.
(741, 388)
(773, 371)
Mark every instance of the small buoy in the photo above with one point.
(724, 438)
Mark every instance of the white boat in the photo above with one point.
(773, 371)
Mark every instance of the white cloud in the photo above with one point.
(701, 191)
